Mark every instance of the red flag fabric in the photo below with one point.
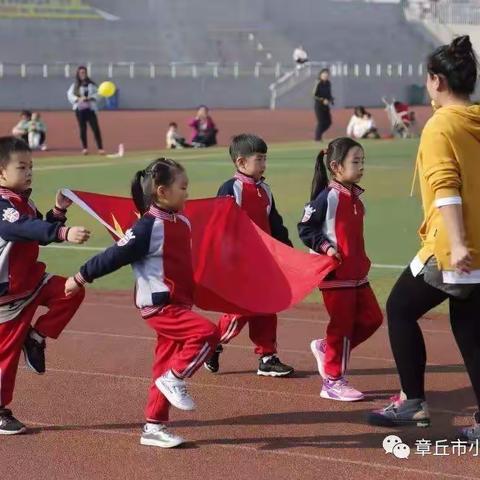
(238, 267)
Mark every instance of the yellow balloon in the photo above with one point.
(107, 89)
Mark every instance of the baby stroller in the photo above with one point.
(401, 118)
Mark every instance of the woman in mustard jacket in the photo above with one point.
(448, 263)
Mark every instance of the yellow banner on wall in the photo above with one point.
(54, 9)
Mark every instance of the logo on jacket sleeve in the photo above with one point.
(10, 215)
(307, 213)
(129, 235)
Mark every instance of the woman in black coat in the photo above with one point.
(322, 95)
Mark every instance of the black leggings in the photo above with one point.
(89, 116)
(324, 119)
(409, 300)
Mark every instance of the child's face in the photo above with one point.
(254, 165)
(17, 175)
(352, 169)
(35, 116)
(202, 112)
(174, 196)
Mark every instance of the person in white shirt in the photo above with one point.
(82, 94)
(174, 139)
(362, 125)
(300, 56)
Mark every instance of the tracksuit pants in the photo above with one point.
(354, 317)
(262, 331)
(185, 340)
(61, 310)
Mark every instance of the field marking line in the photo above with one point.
(99, 249)
(239, 347)
(279, 453)
(213, 315)
(219, 386)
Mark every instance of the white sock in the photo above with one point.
(36, 336)
(266, 358)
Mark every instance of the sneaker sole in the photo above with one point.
(321, 370)
(261, 373)
(156, 443)
(171, 398)
(15, 432)
(28, 364)
(326, 396)
(381, 421)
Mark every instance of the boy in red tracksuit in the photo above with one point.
(332, 225)
(24, 284)
(252, 194)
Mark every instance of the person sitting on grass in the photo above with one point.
(20, 130)
(37, 131)
(174, 138)
(362, 125)
(204, 129)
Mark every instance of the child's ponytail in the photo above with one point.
(320, 176)
(137, 190)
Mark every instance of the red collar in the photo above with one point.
(246, 179)
(157, 212)
(356, 191)
(11, 195)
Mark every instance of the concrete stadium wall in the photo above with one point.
(185, 93)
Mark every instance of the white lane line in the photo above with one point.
(278, 453)
(99, 249)
(240, 347)
(223, 387)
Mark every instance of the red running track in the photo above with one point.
(86, 411)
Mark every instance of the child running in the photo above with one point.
(24, 284)
(332, 225)
(252, 194)
(158, 247)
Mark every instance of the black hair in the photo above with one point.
(172, 124)
(323, 70)
(26, 113)
(457, 63)
(359, 109)
(9, 145)
(161, 171)
(79, 82)
(336, 151)
(246, 144)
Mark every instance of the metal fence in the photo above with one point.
(446, 12)
(213, 70)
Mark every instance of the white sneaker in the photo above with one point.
(175, 390)
(157, 435)
(318, 348)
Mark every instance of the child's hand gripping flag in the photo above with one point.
(238, 267)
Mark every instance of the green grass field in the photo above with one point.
(392, 216)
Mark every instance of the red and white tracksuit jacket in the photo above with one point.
(255, 197)
(158, 247)
(335, 219)
(24, 284)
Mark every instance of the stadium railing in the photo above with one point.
(279, 72)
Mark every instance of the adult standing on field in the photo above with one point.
(322, 95)
(82, 94)
(448, 263)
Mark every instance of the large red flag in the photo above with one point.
(238, 267)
